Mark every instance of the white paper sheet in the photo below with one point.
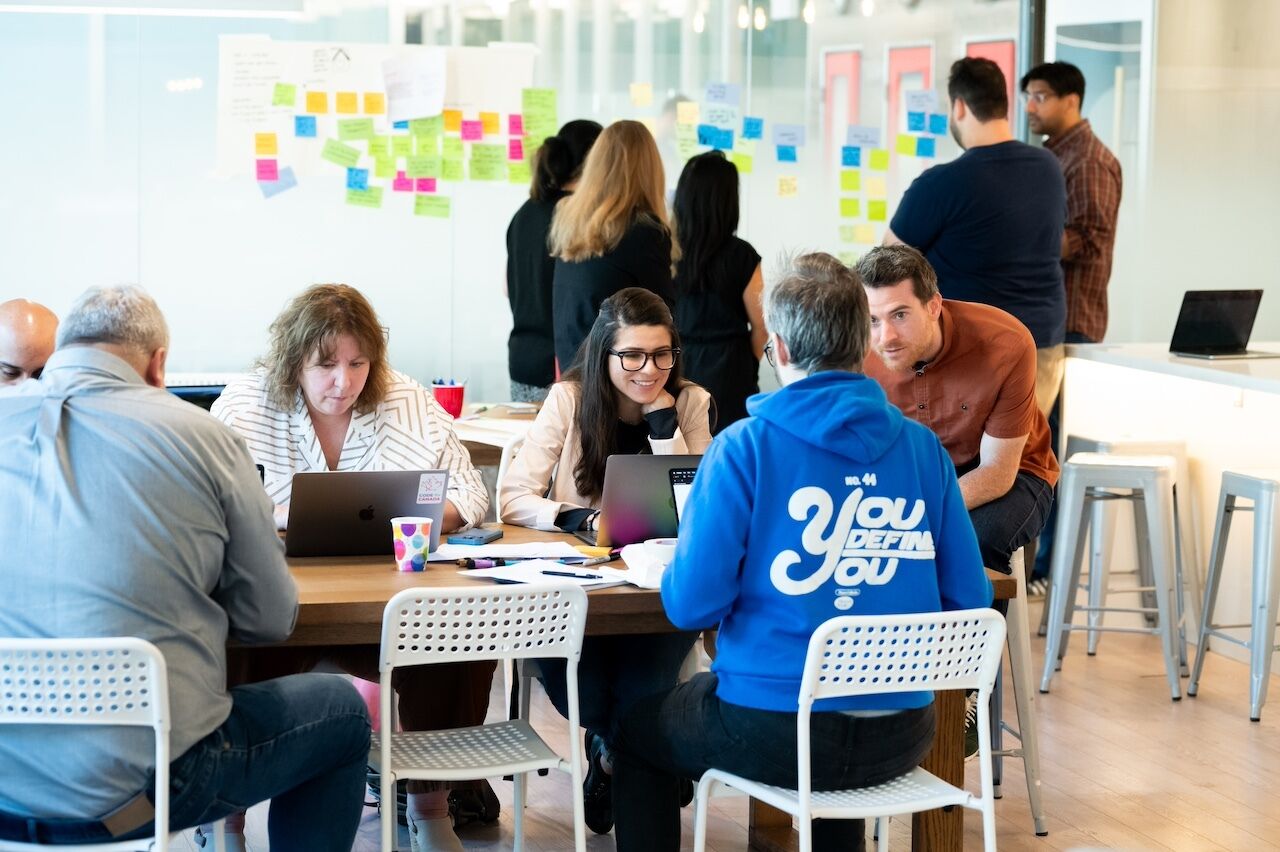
(544, 571)
(532, 550)
(415, 83)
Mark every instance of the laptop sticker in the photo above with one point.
(431, 488)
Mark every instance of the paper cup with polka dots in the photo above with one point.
(411, 539)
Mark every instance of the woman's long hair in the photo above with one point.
(706, 216)
(559, 159)
(597, 413)
(622, 183)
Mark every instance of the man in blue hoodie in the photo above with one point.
(825, 502)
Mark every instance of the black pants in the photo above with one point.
(1012, 521)
(688, 730)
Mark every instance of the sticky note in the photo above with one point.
(864, 235)
(538, 108)
(729, 94)
(786, 153)
(879, 160)
(355, 128)
(686, 140)
(272, 188)
(426, 127)
(402, 146)
(357, 178)
(906, 145)
(846, 233)
(452, 170)
(434, 206)
(925, 147)
(485, 170)
(318, 103)
(268, 170)
(453, 120)
(375, 103)
(400, 125)
(687, 112)
(788, 187)
(384, 168)
(515, 125)
(850, 180)
(473, 131)
(284, 94)
(402, 183)
(744, 162)
(515, 149)
(861, 136)
(641, 94)
(850, 208)
(752, 127)
(379, 146)
(425, 184)
(422, 166)
(452, 148)
(877, 188)
(850, 156)
(877, 211)
(490, 123)
(723, 140)
(916, 122)
(788, 134)
(937, 124)
(519, 172)
(264, 144)
(921, 100)
(371, 197)
(848, 258)
(304, 126)
(488, 154)
(745, 146)
(720, 116)
(346, 103)
(339, 154)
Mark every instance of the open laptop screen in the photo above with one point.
(1215, 321)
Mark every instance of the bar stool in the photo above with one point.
(1261, 489)
(1088, 477)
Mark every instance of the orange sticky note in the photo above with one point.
(687, 112)
(375, 103)
(318, 103)
(347, 103)
(491, 122)
(453, 120)
(788, 187)
(264, 144)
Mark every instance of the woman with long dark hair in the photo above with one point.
(623, 395)
(718, 287)
(531, 349)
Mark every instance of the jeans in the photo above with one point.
(1009, 522)
(301, 741)
(689, 729)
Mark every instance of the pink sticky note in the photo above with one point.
(268, 170)
(515, 125)
(426, 184)
(472, 131)
(515, 149)
(402, 183)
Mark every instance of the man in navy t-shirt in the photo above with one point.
(991, 221)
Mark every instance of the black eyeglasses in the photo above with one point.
(768, 353)
(633, 360)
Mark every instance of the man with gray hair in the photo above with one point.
(825, 501)
(125, 511)
(26, 340)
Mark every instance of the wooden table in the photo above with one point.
(342, 598)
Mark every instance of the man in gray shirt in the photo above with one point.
(125, 511)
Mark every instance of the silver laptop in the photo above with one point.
(643, 497)
(1216, 324)
(348, 513)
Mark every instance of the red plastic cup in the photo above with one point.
(449, 397)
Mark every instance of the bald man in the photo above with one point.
(26, 340)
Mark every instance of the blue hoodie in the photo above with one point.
(759, 552)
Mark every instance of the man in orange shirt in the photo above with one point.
(968, 372)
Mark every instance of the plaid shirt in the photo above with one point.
(1093, 201)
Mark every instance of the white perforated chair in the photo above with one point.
(115, 681)
(453, 625)
(867, 655)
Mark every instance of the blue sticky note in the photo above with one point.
(400, 125)
(925, 146)
(752, 127)
(723, 140)
(706, 134)
(357, 178)
(286, 180)
(850, 156)
(915, 122)
(304, 125)
(937, 124)
(786, 153)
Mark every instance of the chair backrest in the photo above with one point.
(867, 654)
(426, 625)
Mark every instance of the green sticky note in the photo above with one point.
(379, 146)
(452, 148)
(686, 140)
(426, 145)
(371, 197)
(452, 170)
(850, 180)
(538, 107)
(422, 166)
(519, 172)
(850, 208)
(746, 147)
(355, 128)
(744, 162)
(424, 127)
(877, 211)
(436, 206)
(485, 170)
(342, 155)
(284, 94)
(488, 153)
(402, 146)
(879, 159)
(906, 145)
(848, 258)
(847, 234)
(384, 167)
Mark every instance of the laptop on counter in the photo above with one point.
(1216, 325)
(348, 513)
(643, 498)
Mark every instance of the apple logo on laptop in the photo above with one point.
(366, 514)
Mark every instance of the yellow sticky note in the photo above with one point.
(401, 146)
(435, 206)
(491, 123)
(746, 147)
(906, 145)
(879, 160)
(642, 94)
(846, 233)
(788, 187)
(850, 208)
(877, 211)
(744, 162)
(864, 235)
(346, 103)
(375, 103)
(687, 112)
(850, 180)
(264, 144)
(384, 167)
(318, 103)
(876, 188)
(453, 120)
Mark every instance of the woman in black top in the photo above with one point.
(530, 266)
(612, 233)
(718, 287)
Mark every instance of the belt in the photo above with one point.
(126, 819)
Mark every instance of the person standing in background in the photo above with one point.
(610, 234)
(26, 340)
(718, 288)
(531, 352)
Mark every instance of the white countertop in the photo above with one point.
(1261, 374)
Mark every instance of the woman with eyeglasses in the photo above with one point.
(624, 394)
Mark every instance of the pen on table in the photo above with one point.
(572, 575)
(599, 560)
(468, 562)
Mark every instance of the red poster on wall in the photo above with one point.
(1003, 52)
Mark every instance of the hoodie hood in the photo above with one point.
(840, 412)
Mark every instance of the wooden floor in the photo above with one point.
(1123, 768)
